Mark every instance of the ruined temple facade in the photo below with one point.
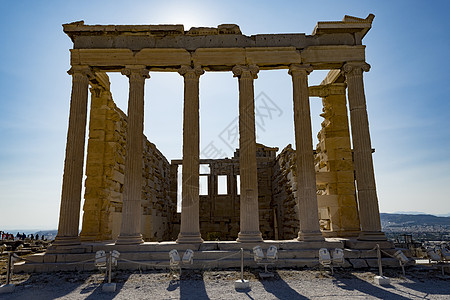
(131, 188)
(219, 210)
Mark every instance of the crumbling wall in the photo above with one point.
(284, 193)
(105, 169)
(158, 207)
(265, 158)
(220, 214)
(338, 209)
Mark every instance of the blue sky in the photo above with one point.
(407, 93)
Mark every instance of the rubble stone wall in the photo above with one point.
(220, 214)
(284, 191)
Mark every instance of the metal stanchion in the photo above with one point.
(8, 271)
(380, 279)
(109, 287)
(402, 259)
(8, 287)
(242, 284)
(380, 267)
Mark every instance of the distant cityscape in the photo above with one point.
(421, 227)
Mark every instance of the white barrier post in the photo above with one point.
(380, 267)
(242, 264)
(242, 284)
(380, 279)
(109, 287)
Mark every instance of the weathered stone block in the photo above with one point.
(358, 263)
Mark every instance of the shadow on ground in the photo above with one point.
(350, 282)
(191, 285)
(95, 289)
(279, 288)
(49, 285)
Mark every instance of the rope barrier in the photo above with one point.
(81, 262)
(222, 258)
(137, 262)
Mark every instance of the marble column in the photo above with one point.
(69, 215)
(190, 222)
(306, 174)
(130, 232)
(362, 153)
(249, 211)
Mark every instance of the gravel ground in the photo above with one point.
(420, 283)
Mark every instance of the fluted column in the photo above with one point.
(190, 223)
(130, 232)
(249, 212)
(362, 153)
(306, 174)
(69, 215)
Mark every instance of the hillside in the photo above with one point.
(404, 220)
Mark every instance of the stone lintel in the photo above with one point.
(333, 76)
(327, 90)
(217, 59)
(327, 57)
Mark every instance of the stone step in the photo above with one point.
(197, 264)
(205, 255)
(207, 245)
(212, 254)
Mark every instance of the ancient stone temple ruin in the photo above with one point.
(311, 198)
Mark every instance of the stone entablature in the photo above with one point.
(166, 47)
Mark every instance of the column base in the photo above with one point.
(129, 240)
(372, 236)
(249, 237)
(310, 236)
(189, 238)
(66, 241)
(341, 233)
(89, 238)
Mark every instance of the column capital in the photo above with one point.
(98, 90)
(136, 72)
(189, 72)
(82, 70)
(297, 69)
(241, 71)
(355, 68)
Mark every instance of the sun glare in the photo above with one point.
(187, 16)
